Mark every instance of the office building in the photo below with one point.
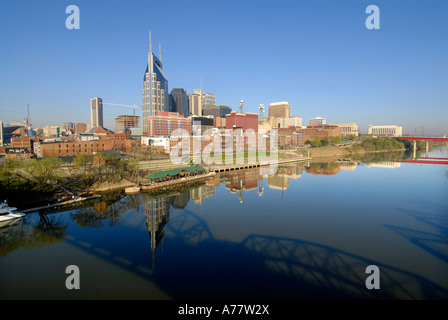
(179, 102)
(155, 88)
(244, 121)
(295, 121)
(70, 148)
(216, 111)
(195, 104)
(1, 134)
(164, 123)
(348, 129)
(318, 120)
(52, 131)
(124, 122)
(81, 127)
(208, 99)
(68, 126)
(96, 112)
(279, 110)
(389, 130)
(317, 131)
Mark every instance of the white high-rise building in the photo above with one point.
(1, 134)
(96, 112)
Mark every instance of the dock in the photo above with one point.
(232, 167)
(172, 183)
(61, 204)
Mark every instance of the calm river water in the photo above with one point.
(307, 232)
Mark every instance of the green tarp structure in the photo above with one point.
(174, 172)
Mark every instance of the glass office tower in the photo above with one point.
(155, 88)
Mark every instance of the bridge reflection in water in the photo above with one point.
(300, 269)
(195, 264)
(200, 266)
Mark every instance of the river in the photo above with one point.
(308, 232)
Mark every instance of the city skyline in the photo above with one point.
(318, 56)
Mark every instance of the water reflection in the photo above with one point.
(435, 242)
(200, 264)
(157, 213)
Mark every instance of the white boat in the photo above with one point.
(132, 190)
(7, 212)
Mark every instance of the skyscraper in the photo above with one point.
(208, 99)
(279, 110)
(179, 102)
(96, 112)
(155, 88)
(195, 102)
(1, 134)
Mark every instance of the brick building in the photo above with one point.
(236, 120)
(71, 148)
(164, 123)
(317, 131)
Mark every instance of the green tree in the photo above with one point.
(43, 171)
(83, 167)
(8, 171)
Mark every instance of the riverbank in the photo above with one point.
(342, 152)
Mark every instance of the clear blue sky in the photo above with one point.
(317, 55)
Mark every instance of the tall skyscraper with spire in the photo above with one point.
(155, 88)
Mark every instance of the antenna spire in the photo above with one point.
(150, 44)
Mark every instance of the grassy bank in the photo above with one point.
(367, 145)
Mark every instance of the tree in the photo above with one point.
(83, 164)
(43, 171)
(316, 143)
(7, 171)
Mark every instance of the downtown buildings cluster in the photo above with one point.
(162, 113)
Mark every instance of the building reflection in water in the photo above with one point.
(385, 164)
(157, 212)
(157, 209)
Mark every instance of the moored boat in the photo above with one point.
(8, 213)
(132, 190)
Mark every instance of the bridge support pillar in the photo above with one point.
(427, 148)
(415, 149)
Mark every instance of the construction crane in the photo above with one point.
(122, 105)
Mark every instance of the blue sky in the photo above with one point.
(317, 55)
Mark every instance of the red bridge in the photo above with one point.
(423, 138)
(425, 159)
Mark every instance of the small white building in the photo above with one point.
(389, 130)
(156, 142)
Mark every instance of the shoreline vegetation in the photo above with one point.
(35, 183)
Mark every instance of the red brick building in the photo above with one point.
(244, 121)
(317, 131)
(119, 137)
(71, 148)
